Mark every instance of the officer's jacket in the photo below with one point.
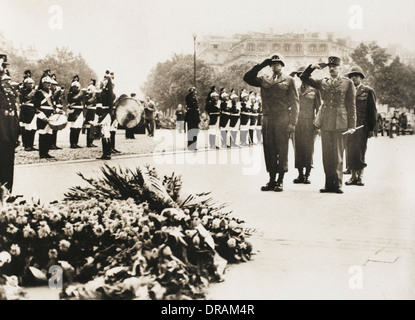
(212, 107)
(310, 101)
(339, 101)
(27, 108)
(366, 107)
(9, 122)
(279, 96)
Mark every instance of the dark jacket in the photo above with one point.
(9, 122)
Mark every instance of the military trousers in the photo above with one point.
(356, 149)
(333, 150)
(275, 143)
(7, 164)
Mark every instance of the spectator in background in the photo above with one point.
(180, 119)
(192, 118)
(403, 122)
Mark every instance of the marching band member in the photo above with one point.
(90, 117)
(104, 110)
(114, 122)
(28, 112)
(234, 119)
(57, 93)
(259, 123)
(44, 109)
(225, 115)
(253, 117)
(75, 113)
(245, 117)
(213, 110)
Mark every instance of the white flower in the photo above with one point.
(28, 232)
(99, 230)
(15, 250)
(53, 254)
(5, 257)
(21, 219)
(68, 230)
(64, 245)
(43, 231)
(231, 243)
(12, 229)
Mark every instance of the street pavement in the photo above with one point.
(308, 245)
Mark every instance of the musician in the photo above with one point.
(9, 128)
(76, 97)
(234, 119)
(366, 114)
(44, 109)
(245, 117)
(114, 122)
(28, 112)
(129, 132)
(149, 112)
(104, 110)
(254, 117)
(90, 116)
(225, 116)
(213, 110)
(57, 97)
(259, 122)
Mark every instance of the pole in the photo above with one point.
(194, 58)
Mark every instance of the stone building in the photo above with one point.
(297, 48)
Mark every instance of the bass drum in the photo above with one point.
(128, 112)
(58, 121)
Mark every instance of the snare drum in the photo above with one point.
(58, 121)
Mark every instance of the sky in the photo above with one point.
(129, 37)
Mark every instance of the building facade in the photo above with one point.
(297, 49)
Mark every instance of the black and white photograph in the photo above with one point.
(220, 152)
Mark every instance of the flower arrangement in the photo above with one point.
(128, 235)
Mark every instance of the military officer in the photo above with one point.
(57, 94)
(104, 110)
(338, 116)
(225, 116)
(366, 114)
(280, 106)
(91, 107)
(192, 118)
(305, 132)
(213, 110)
(9, 128)
(245, 118)
(234, 119)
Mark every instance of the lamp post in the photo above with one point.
(194, 59)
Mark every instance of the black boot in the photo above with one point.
(72, 138)
(89, 138)
(279, 185)
(300, 178)
(44, 140)
(76, 137)
(329, 186)
(307, 175)
(271, 183)
(112, 144)
(106, 150)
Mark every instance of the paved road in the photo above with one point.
(358, 245)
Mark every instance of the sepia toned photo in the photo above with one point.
(209, 151)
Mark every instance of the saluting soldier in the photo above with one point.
(28, 112)
(213, 110)
(9, 128)
(245, 118)
(76, 97)
(234, 119)
(338, 116)
(44, 109)
(280, 106)
(365, 116)
(305, 131)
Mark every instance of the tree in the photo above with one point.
(169, 81)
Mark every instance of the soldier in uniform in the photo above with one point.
(213, 110)
(259, 122)
(44, 109)
(338, 115)
(114, 122)
(9, 128)
(225, 116)
(305, 131)
(253, 118)
(192, 118)
(245, 118)
(57, 99)
(234, 119)
(76, 97)
(104, 110)
(91, 106)
(365, 115)
(280, 106)
(28, 112)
